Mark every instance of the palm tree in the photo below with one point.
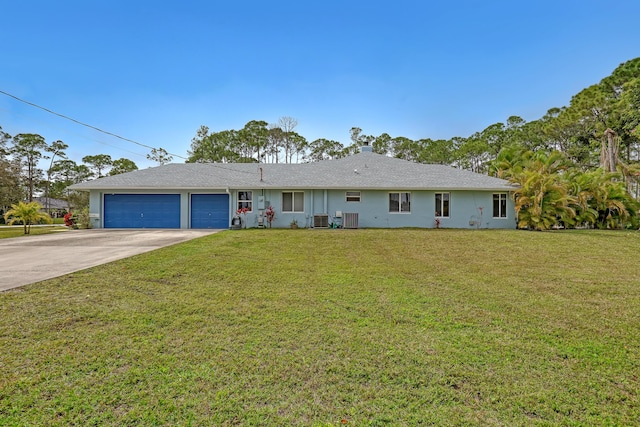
(510, 162)
(603, 199)
(613, 202)
(543, 198)
(27, 214)
(582, 188)
(543, 201)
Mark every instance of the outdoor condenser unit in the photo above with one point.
(321, 221)
(350, 220)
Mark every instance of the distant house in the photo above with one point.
(365, 190)
(56, 208)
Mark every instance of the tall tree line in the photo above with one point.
(30, 167)
(606, 115)
(257, 141)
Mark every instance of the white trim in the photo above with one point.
(353, 196)
(249, 201)
(506, 206)
(293, 201)
(400, 211)
(440, 208)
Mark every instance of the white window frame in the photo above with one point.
(400, 209)
(502, 205)
(440, 209)
(294, 197)
(246, 202)
(352, 196)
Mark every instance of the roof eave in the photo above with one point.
(301, 188)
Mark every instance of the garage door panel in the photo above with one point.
(142, 211)
(209, 211)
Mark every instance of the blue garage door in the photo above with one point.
(142, 211)
(209, 211)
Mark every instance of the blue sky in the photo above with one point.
(155, 71)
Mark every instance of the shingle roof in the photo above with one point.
(52, 203)
(361, 171)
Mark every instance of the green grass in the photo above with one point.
(6, 232)
(327, 327)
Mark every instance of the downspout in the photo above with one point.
(312, 204)
(325, 202)
(226, 190)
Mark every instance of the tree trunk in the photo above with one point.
(609, 155)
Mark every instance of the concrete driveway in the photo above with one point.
(30, 259)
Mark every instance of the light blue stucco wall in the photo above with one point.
(373, 209)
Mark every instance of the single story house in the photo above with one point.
(56, 208)
(365, 190)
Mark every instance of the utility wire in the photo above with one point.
(217, 165)
(71, 132)
(85, 124)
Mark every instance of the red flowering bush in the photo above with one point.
(69, 220)
(270, 213)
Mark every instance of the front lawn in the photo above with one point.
(334, 327)
(6, 232)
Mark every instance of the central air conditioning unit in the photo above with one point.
(350, 220)
(321, 221)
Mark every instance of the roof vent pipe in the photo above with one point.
(260, 174)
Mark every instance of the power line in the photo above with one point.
(71, 132)
(85, 124)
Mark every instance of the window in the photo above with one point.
(293, 201)
(245, 200)
(442, 205)
(400, 202)
(500, 205)
(353, 196)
